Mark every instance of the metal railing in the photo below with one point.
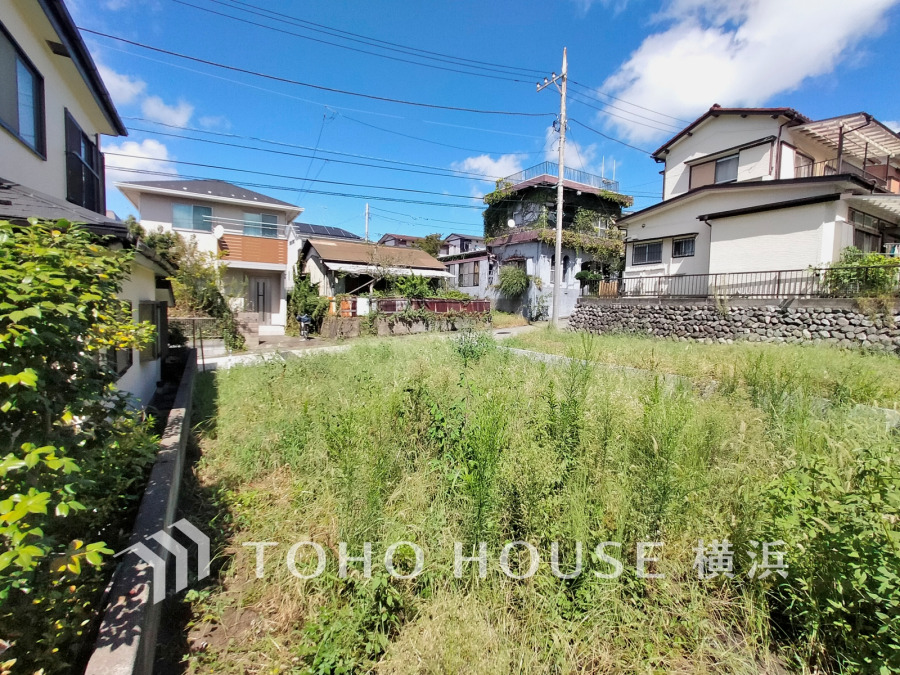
(248, 228)
(831, 167)
(552, 169)
(836, 282)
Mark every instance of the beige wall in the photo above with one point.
(141, 378)
(712, 136)
(64, 88)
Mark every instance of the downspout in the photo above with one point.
(705, 219)
(777, 154)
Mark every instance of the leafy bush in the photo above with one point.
(512, 281)
(472, 345)
(305, 299)
(841, 599)
(74, 453)
(412, 286)
(451, 294)
(864, 274)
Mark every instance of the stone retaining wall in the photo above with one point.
(703, 321)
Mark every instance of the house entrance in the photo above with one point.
(260, 300)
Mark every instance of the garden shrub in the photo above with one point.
(841, 599)
(305, 299)
(512, 281)
(72, 452)
(863, 274)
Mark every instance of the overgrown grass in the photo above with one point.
(836, 374)
(445, 441)
(506, 320)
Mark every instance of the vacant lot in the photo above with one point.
(443, 441)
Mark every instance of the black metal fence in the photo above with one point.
(834, 282)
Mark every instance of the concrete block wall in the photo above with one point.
(838, 323)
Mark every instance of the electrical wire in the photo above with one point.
(318, 87)
(340, 46)
(622, 100)
(437, 171)
(610, 138)
(405, 49)
(575, 97)
(286, 188)
(289, 177)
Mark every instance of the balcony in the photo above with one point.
(550, 170)
(831, 167)
(247, 243)
(234, 226)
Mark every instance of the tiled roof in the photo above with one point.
(363, 253)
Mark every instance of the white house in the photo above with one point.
(454, 244)
(767, 189)
(247, 229)
(53, 109)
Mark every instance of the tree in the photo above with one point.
(431, 244)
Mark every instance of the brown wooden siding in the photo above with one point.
(254, 249)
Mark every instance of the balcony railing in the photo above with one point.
(249, 228)
(570, 174)
(831, 167)
(842, 282)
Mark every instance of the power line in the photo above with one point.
(261, 186)
(622, 100)
(340, 46)
(610, 138)
(408, 215)
(423, 53)
(290, 177)
(576, 99)
(299, 83)
(437, 171)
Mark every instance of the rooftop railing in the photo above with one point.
(570, 174)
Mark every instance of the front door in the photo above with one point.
(260, 300)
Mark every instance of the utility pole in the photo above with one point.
(367, 221)
(559, 81)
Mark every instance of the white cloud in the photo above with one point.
(148, 155)
(122, 88)
(503, 166)
(893, 125)
(215, 122)
(155, 109)
(736, 53)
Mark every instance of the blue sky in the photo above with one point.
(664, 62)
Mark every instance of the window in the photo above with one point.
(726, 169)
(866, 241)
(867, 231)
(469, 274)
(646, 254)
(260, 225)
(21, 95)
(148, 311)
(683, 248)
(192, 217)
(566, 269)
(84, 168)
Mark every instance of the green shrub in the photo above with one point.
(863, 274)
(841, 598)
(471, 345)
(512, 281)
(305, 299)
(412, 286)
(73, 453)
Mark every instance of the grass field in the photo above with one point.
(858, 376)
(443, 441)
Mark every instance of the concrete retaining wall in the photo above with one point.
(838, 323)
(126, 643)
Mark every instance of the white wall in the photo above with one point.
(789, 239)
(64, 89)
(713, 135)
(681, 218)
(141, 378)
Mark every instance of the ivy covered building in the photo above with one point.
(519, 229)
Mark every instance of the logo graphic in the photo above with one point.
(158, 563)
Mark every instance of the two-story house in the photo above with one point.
(247, 230)
(399, 240)
(767, 189)
(454, 244)
(53, 109)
